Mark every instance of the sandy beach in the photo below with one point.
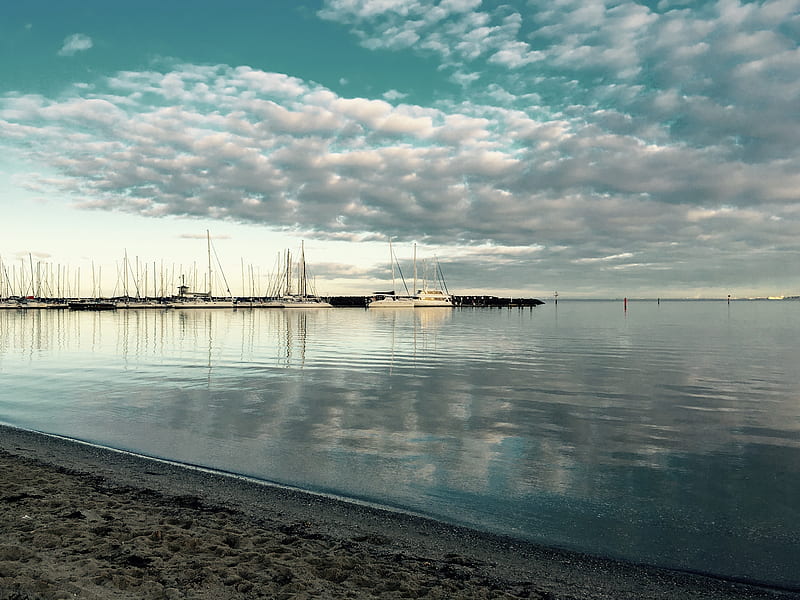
(81, 521)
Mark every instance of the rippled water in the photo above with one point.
(667, 434)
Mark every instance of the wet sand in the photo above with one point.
(80, 521)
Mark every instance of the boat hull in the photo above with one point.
(90, 305)
(306, 304)
(431, 298)
(391, 302)
(202, 304)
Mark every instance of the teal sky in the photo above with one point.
(590, 147)
(283, 36)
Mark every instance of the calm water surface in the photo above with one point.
(667, 434)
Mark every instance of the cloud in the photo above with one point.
(393, 95)
(590, 52)
(77, 42)
(456, 30)
(237, 144)
(613, 257)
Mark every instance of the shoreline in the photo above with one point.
(81, 520)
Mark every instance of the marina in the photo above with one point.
(40, 286)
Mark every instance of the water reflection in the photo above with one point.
(667, 435)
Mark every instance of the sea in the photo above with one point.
(665, 433)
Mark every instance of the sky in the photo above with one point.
(589, 147)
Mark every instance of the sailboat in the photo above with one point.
(189, 299)
(390, 299)
(302, 299)
(427, 296)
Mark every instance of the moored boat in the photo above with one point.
(258, 303)
(427, 297)
(303, 302)
(305, 297)
(200, 304)
(30, 303)
(187, 299)
(390, 300)
(191, 299)
(92, 305)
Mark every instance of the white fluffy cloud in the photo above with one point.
(77, 42)
(730, 66)
(256, 147)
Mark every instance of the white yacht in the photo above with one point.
(304, 302)
(390, 300)
(428, 297)
(199, 303)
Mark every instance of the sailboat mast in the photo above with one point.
(288, 272)
(415, 267)
(208, 239)
(391, 262)
(302, 269)
(33, 282)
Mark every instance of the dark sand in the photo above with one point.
(79, 521)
